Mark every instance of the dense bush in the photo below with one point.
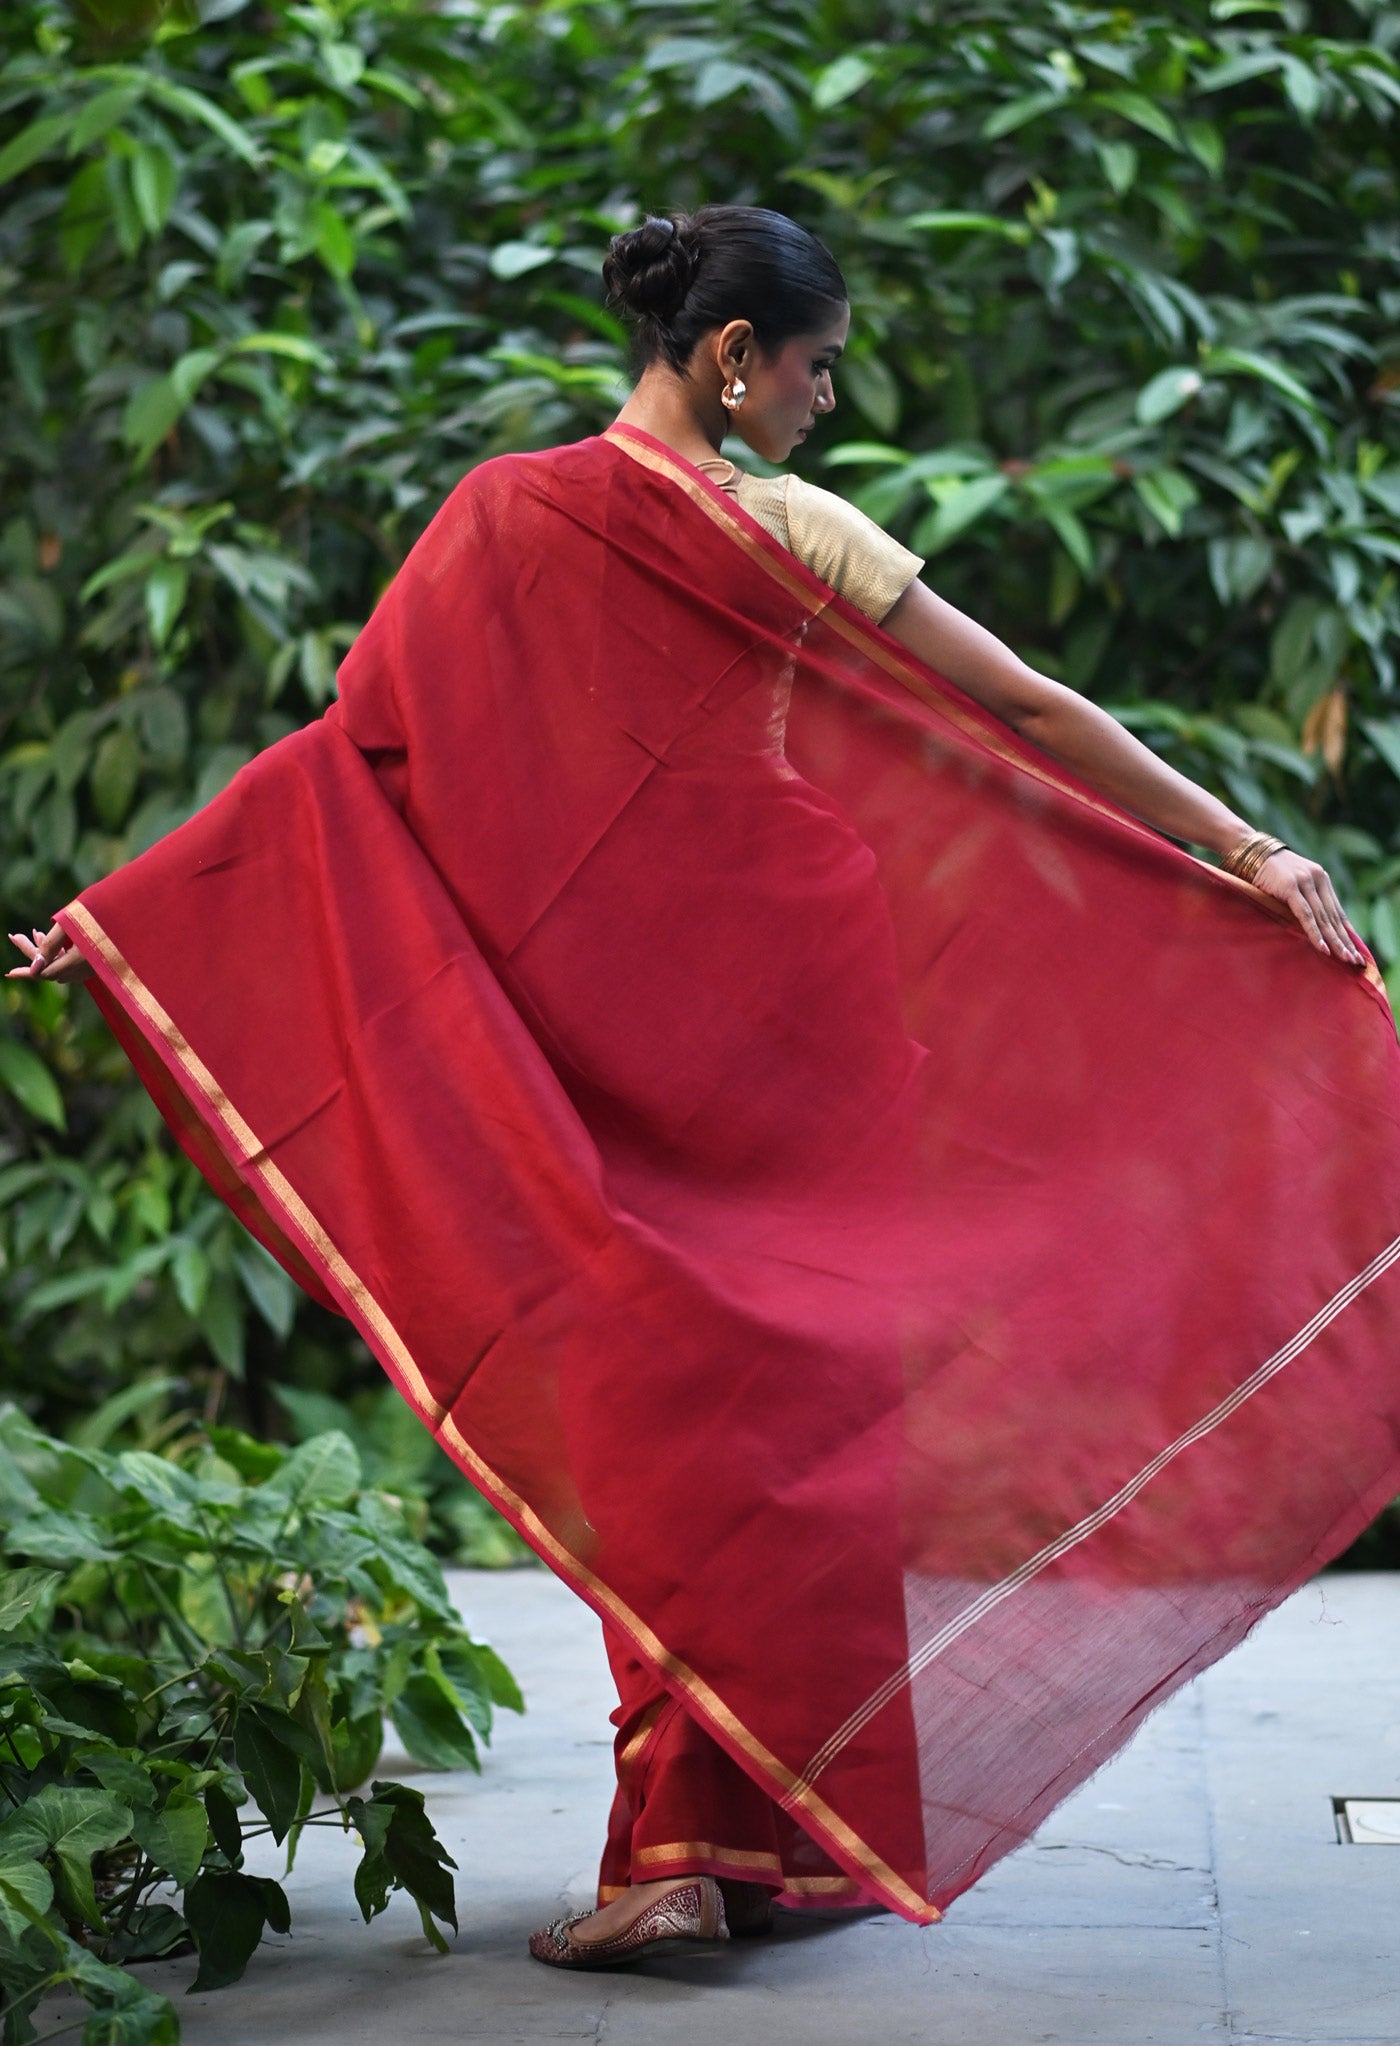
(1124, 365)
(176, 1633)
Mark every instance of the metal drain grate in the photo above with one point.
(1367, 1821)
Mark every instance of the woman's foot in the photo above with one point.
(617, 1916)
(650, 1918)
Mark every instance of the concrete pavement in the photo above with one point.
(1193, 1891)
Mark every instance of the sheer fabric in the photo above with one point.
(914, 1249)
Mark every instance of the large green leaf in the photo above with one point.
(225, 1827)
(196, 106)
(840, 78)
(960, 506)
(402, 1852)
(151, 411)
(26, 1892)
(26, 1597)
(71, 1824)
(32, 143)
(1269, 371)
(271, 1770)
(1166, 393)
(322, 1472)
(429, 1723)
(1384, 735)
(125, 2011)
(174, 1836)
(226, 1913)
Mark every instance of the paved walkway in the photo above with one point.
(1193, 1891)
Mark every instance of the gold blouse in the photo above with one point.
(839, 543)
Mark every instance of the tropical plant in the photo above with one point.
(199, 1649)
(1124, 365)
(398, 1455)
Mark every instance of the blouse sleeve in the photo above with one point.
(847, 549)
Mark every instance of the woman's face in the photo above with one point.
(785, 392)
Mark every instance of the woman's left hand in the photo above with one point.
(51, 955)
(1307, 889)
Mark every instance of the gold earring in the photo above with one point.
(734, 393)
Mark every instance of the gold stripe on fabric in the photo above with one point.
(698, 492)
(880, 649)
(169, 1032)
(859, 634)
(820, 1886)
(284, 1197)
(787, 1787)
(705, 1850)
(645, 1727)
(253, 1156)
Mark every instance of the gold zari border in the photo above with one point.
(705, 1850)
(242, 1143)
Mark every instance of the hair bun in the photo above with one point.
(648, 270)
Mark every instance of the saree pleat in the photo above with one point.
(912, 1247)
(684, 1806)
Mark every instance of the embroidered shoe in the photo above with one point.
(674, 1924)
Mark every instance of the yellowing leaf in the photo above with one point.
(1325, 729)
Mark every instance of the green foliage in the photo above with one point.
(1124, 364)
(398, 1455)
(182, 1634)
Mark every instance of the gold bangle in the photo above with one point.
(1246, 859)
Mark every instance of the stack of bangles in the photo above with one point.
(1246, 858)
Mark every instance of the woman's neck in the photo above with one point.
(672, 412)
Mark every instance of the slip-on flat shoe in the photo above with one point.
(677, 1923)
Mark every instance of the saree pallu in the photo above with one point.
(913, 1248)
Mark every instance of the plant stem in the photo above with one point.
(239, 1629)
(25, 2002)
(184, 1676)
(131, 1896)
(184, 1634)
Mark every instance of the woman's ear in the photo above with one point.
(734, 348)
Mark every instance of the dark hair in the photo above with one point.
(679, 276)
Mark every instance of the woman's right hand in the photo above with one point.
(1307, 890)
(50, 955)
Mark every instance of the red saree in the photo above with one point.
(914, 1249)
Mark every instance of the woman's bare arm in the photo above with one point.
(1064, 725)
(1104, 753)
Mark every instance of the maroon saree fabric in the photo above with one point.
(913, 1248)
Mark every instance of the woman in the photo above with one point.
(905, 1241)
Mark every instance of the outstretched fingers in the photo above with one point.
(49, 955)
(1313, 900)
